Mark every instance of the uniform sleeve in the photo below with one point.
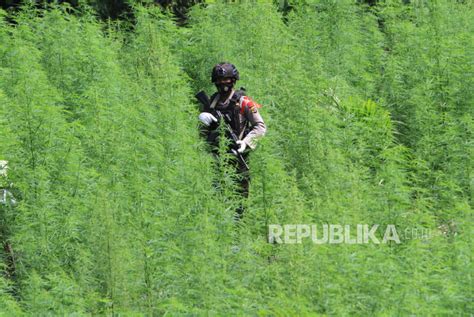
(252, 115)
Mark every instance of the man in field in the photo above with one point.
(241, 115)
(7, 202)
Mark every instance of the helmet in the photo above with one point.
(224, 70)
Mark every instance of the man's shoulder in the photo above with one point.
(247, 104)
(238, 96)
(239, 93)
(214, 95)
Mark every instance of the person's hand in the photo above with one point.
(242, 146)
(207, 118)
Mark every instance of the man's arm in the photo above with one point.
(258, 127)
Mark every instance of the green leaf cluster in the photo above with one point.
(122, 211)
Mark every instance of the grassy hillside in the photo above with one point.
(121, 209)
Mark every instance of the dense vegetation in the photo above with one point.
(122, 210)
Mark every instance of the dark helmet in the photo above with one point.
(224, 70)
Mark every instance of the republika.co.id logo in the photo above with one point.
(332, 234)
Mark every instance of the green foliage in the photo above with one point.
(122, 210)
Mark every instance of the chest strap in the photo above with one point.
(217, 97)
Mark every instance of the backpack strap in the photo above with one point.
(214, 101)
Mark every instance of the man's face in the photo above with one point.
(224, 85)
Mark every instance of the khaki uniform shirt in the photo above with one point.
(249, 119)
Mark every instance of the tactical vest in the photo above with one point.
(232, 109)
